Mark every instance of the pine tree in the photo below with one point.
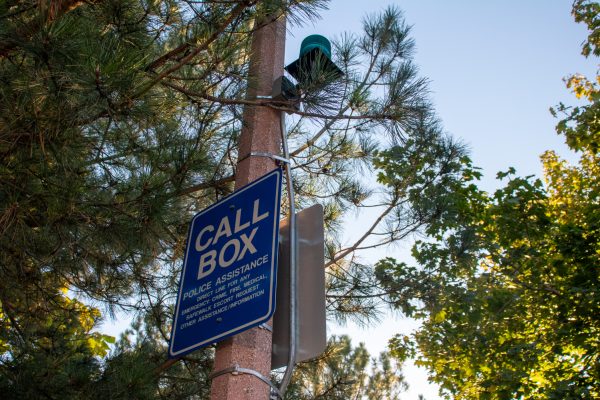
(120, 119)
(346, 372)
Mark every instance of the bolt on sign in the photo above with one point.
(229, 274)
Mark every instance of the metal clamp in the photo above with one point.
(266, 327)
(267, 155)
(237, 370)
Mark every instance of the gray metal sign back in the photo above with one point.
(312, 335)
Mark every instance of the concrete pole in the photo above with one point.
(260, 133)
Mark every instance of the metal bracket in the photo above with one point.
(237, 370)
(269, 155)
(266, 327)
(275, 157)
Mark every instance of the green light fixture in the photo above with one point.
(315, 59)
(315, 42)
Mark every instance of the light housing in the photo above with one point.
(314, 63)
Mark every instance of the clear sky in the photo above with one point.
(496, 67)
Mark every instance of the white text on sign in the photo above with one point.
(240, 246)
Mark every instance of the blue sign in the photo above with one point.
(229, 271)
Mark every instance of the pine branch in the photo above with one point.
(56, 9)
(343, 253)
(165, 366)
(281, 107)
(328, 124)
(205, 185)
(236, 12)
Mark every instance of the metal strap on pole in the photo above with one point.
(236, 370)
(279, 159)
(293, 265)
(275, 157)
